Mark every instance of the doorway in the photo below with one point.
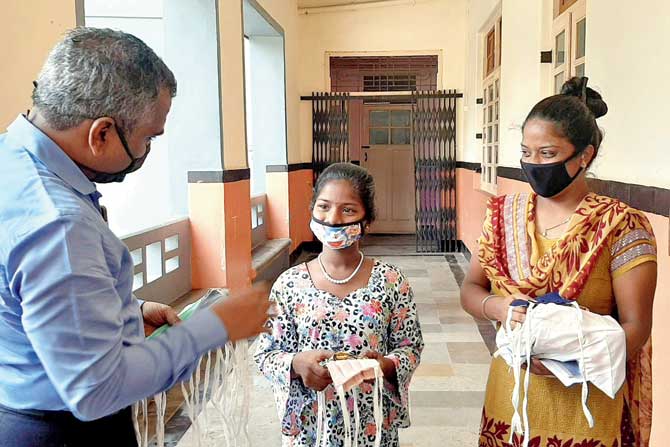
(386, 152)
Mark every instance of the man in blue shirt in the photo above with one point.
(73, 353)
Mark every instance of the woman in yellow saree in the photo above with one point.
(587, 247)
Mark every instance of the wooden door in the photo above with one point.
(386, 152)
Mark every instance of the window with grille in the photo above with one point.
(389, 83)
(383, 73)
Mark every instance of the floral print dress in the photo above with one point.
(380, 317)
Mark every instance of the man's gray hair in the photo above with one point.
(96, 72)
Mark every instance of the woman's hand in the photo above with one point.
(499, 307)
(307, 366)
(537, 368)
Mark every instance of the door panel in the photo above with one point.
(387, 154)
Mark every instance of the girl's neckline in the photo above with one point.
(373, 272)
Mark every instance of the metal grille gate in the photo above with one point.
(330, 130)
(434, 140)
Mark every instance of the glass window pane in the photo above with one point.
(490, 134)
(497, 111)
(400, 136)
(497, 89)
(379, 136)
(495, 154)
(154, 261)
(558, 82)
(172, 243)
(137, 256)
(138, 281)
(560, 49)
(581, 38)
(580, 69)
(379, 117)
(400, 118)
(491, 93)
(172, 264)
(491, 113)
(495, 133)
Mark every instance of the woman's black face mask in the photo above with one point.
(550, 179)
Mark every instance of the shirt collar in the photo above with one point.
(50, 154)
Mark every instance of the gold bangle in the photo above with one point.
(484, 307)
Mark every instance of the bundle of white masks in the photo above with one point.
(576, 345)
(226, 385)
(347, 375)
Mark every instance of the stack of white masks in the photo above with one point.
(576, 345)
(346, 375)
(226, 385)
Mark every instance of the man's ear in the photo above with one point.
(100, 135)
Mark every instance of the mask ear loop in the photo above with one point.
(320, 418)
(345, 413)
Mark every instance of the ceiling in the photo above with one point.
(322, 3)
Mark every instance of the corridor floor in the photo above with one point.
(447, 390)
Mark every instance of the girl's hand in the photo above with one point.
(387, 365)
(307, 366)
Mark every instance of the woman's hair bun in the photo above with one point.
(594, 101)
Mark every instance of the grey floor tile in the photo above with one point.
(448, 399)
(469, 352)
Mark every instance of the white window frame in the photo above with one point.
(491, 108)
(567, 22)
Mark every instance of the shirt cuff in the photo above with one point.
(207, 329)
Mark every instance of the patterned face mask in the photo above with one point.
(346, 375)
(337, 237)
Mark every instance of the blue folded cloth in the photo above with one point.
(549, 298)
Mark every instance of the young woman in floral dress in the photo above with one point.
(340, 302)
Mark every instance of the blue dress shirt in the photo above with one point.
(71, 332)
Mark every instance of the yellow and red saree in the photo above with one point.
(605, 238)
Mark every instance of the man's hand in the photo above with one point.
(156, 315)
(307, 366)
(245, 313)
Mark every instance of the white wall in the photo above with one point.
(184, 35)
(428, 27)
(266, 107)
(627, 58)
(522, 77)
(194, 124)
(285, 12)
(623, 63)
(141, 201)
